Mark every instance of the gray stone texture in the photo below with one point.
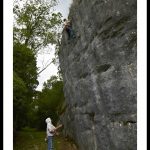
(99, 73)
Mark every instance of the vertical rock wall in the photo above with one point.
(99, 72)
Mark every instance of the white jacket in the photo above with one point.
(50, 127)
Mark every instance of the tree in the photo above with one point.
(35, 27)
(50, 101)
(19, 103)
(24, 84)
(35, 24)
(50, 83)
(24, 64)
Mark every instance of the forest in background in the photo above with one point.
(36, 26)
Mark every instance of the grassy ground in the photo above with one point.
(30, 139)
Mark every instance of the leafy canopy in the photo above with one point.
(35, 23)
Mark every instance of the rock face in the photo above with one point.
(99, 73)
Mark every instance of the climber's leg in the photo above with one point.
(69, 33)
(72, 33)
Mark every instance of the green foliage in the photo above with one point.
(19, 103)
(35, 27)
(35, 23)
(51, 82)
(24, 83)
(50, 101)
(24, 63)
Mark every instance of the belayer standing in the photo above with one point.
(50, 133)
(68, 29)
(51, 130)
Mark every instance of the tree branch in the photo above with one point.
(44, 68)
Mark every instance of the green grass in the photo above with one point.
(31, 139)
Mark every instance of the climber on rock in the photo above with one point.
(68, 29)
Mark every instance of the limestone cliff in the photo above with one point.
(99, 73)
